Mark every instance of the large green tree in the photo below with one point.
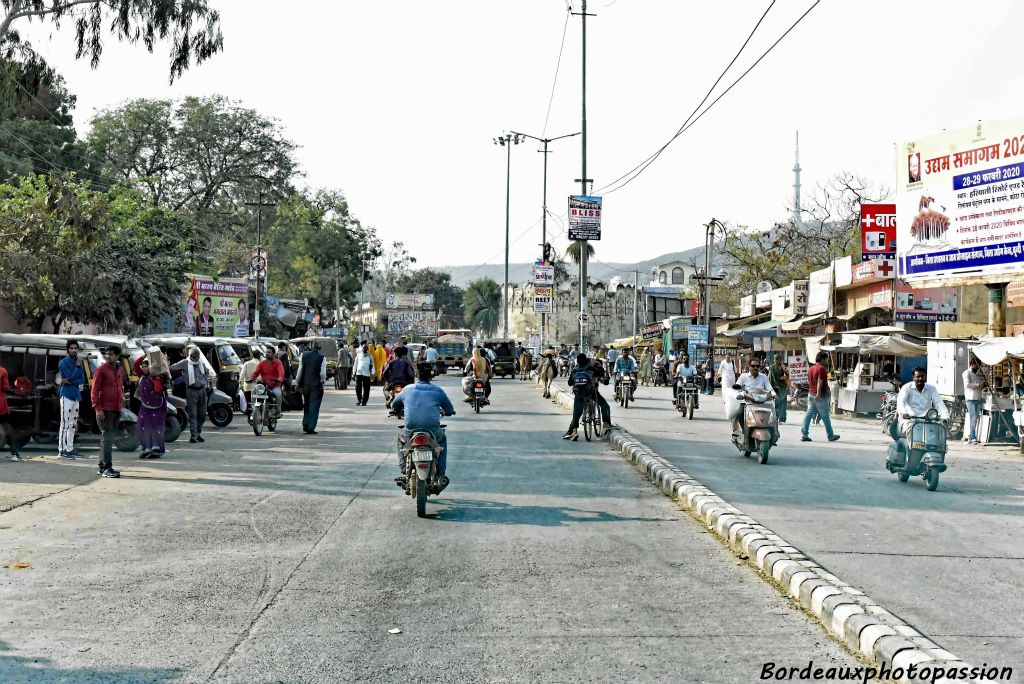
(190, 27)
(481, 304)
(69, 252)
(447, 297)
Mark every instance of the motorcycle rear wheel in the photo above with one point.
(476, 405)
(421, 498)
(689, 407)
(903, 476)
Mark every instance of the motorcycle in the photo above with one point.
(759, 424)
(625, 386)
(660, 375)
(798, 399)
(390, 394)
(177, 417)
(686, 396)
(923, 454)
(479, 395)
(265, 410)
(563, 366)
(887, 413)
(420, 478)
(220, 408)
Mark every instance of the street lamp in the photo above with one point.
(544, 214)
(709, 245)
(507, 141)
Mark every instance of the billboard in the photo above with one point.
(543, 274)
(584, 217)
(408, 300)
(419, 322)
(925, 305)
(877, 231)
(652, 331)
(542, 299)
(212, 307)
(680, 329)
(958, 203)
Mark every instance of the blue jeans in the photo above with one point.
(442, 441)
(780, 408)
(973, 412)
(817, 406)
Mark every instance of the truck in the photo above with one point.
(453, 349)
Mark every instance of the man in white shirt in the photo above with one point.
(915, 399)
(972, 395)
(727, 372)
(751, 381)
(430, 354)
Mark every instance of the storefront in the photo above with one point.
(870, 363)
(1002, 411)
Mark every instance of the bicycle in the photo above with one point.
(957, 417)
(591, 420)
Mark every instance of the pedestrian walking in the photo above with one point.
(972, 395)
(380, 357)
(312, 375)
(778, 374)
(247, 372)
(72, 378)
(286, 363)
(646, 365)
(365, 370)
(12, 442)
(727, 372)
(818, 398)
(107, 398)
(152, 412)
(344, 365)
(197, 378)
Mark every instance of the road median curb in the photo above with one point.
(847, 613)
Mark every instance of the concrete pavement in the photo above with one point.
(948, 562)
(289, 558)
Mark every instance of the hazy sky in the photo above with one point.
(397, 102)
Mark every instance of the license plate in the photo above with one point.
(422, 456)
(479, 390)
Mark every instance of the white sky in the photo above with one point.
(396, 103)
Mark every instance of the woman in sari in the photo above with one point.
(645, 366)
(152, 413)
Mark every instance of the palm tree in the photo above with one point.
(481, 303)
(573, 250)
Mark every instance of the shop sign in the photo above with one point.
(652, 331)
(958, 203)
(925, 305)
(874, 269)
(797, 368)
(877, 231)
(680, 329)
(819, 297)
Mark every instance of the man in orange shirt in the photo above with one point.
(271, 371)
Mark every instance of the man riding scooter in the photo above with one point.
(914, 401)
(626, 369)
(751, 381)
(422, 405)
(397, 373)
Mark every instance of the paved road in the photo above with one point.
(948, 562)
(289, 558)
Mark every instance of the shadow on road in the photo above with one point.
(15, 669)
(498, 513)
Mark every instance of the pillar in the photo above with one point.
(997, 310)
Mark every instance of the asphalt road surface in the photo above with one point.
(291, 558)
(948, 562)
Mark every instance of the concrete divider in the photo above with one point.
(849, 615)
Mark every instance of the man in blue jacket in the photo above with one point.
(423, 404)
(72, 379)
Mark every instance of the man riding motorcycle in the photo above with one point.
(478, 368)
(397, 372)
(915, 399)
(423, 404)
(271, 371)
(685, 370)
(625, 365)
(751, 381)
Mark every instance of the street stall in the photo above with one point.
(1002, 416)
(874, 367)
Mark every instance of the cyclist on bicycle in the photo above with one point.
(584, 380)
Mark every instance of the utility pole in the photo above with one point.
(258, 263)
(507, 140)
(544, 218)
(636, 300)
(337, 293)
(583, 181)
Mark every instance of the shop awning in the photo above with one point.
(763, 329)
(862, 312)
(883, 345)
(995, 350)
(725, 326)
(802, 322)
(880, 330)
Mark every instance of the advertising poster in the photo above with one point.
(651, 332)
(543, 274)
(680, 329)
(217, 308)
(960, 203)
(925, 305)
(584, 217)
(542, 299)
(408, 300)
(877, 231)
(419, 322)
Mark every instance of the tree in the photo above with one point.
(828, 229)
(447, 297)
(191, 27)
(69, 252)
(385, 268)
(573, 250)
(481, 304)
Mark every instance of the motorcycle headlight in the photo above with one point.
(259, 391)
(932, 414)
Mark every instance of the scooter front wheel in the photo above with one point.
(931, 477)
(903, 476)
(762, 451)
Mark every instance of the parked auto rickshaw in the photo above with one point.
(31, 362)
(220, 405)
(504, 357)
(328, 347)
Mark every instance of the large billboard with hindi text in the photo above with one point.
(960, 204)
(214, 307)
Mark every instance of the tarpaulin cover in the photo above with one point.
(997, 349)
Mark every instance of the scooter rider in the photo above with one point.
(685, 370)
(915, 399)
(626, 364)
(423, 404)
(397, 372)
(751, 381)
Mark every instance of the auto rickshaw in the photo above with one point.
(31, 362)
(328, 347)
(504, 357)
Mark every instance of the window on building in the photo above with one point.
(678, 277)
(663, 277)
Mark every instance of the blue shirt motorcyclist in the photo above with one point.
(423, 405)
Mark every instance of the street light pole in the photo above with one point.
(507, 140)
(258, 262)
(709, 245)
(544, 216)
(583, 180)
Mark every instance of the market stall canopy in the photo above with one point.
(880, 330)
(624, 342)
(863, 312)
(995, 350)
(724, 326)
(764, 329)
(882, 345)
(802, 322)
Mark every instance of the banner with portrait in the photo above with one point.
(214, 307)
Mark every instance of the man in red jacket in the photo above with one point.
(818, 398)
(107, 396)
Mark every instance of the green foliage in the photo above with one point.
(73, 253)
(447, 297)
(191, 27)
(573, 250)
(481, 304)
